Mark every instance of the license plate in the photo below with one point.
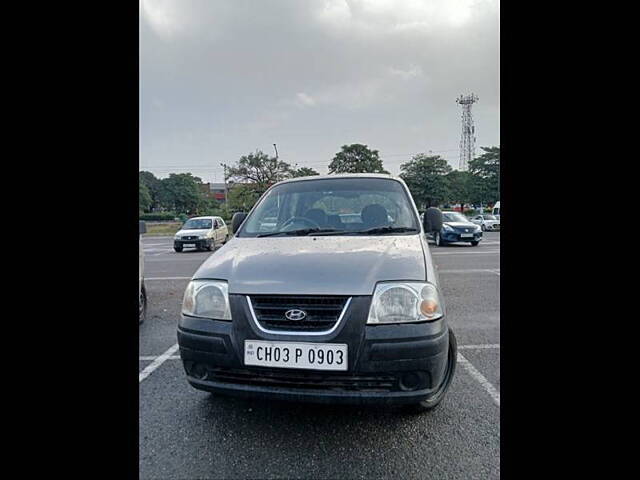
(466, 235)
(315, 356)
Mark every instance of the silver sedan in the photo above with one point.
(488, 222)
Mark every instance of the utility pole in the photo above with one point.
(276, 149)
(467, 138)
(224, 169)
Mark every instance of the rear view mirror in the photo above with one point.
(142, 227)
(237, 220)
(432, 220)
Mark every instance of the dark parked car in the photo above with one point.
(320, 309)
(456, 228)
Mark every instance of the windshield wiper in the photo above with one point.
(300, 232)
(374, 231)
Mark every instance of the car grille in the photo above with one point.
(322, 313)
(304, 380)
(189, 238)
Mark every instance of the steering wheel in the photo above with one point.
(292, 220)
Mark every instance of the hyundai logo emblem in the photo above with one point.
(295, 315)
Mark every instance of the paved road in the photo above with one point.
(185, 433)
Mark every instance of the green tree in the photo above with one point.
(242, 197)
(356, 158)
(425, 175)
(486, 170)
(460, 188)
(153, 185)
(180, 192)
(260, 169)
(303, 172)
(144, 198)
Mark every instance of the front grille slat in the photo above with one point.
(303, 380)
(322, 313)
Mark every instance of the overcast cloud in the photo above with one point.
(222, 78)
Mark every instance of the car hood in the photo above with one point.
(200, 231)
(460, 224)
(321, 265)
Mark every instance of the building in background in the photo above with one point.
(216, 191)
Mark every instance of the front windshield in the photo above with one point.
(339, 206)
(197, 224)
(454, 217)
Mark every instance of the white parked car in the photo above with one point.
(496, 210)
(202, 233)
(488, 222)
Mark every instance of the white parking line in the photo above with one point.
(491, 390)
(146, 358)
(156, 363)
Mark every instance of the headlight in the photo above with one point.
(402, 302)
(478, 228)
(447, 227)
(208, 299)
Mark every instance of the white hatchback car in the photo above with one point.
(487, 222)
(202, 233)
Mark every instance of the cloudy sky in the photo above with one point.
(222, 78)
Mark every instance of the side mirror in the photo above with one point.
(143, 227)
(432, 220)
(237, 220)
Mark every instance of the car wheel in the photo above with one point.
(438, 239)
(142, 305)
(177, 249)
(484, 229)
(475, 244)
(212, 245)
(434, 400)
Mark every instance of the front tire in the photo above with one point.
(484, 229)
(177, 249)
(474, 244)
(438, 239)
(434, 401)
(211, 246)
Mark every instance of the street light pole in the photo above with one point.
(224, 168)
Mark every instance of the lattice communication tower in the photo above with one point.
(468, 137)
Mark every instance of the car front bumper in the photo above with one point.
(388, 364)
(200, 243)
(454, 236)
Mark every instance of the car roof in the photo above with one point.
(198, 218)
(340, 175)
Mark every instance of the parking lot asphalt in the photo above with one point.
(186, 433)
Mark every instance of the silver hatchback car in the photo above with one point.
(303, 305)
